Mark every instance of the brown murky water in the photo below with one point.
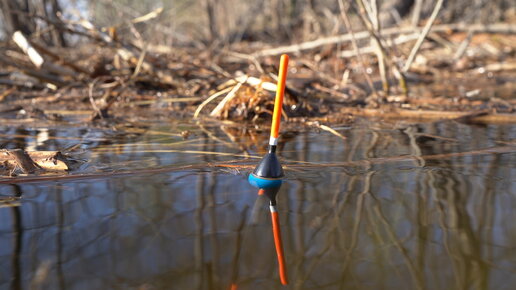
(394, 220)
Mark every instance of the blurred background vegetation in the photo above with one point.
(207, 22)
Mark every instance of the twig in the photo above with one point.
(227, 98)
(373, 26)
(139, 65)
(37, 59)
(344, 15)
(370, 49)
(7, 92)
(43, 75)
(92, 101)
(128, 54)
(424, 115)
(96, 33)
(211, 98)
(322, 75)
(255, 82)
(162, 100)
(28, 49)
(151, 15)
(470, 116)
(59, 59)
(382, 51)
(503, 28)
(249, 57)
(332, 92)
(496, 67)
(462, 47)
(423, 35)
(19, 83)
(416, 12)
(326, 128)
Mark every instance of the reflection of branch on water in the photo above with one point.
(414, 147)
(17, 242)
(297, 230)
(357, 219)
(199, 233)
(422, 217)
(416, 273)
(236, 143)
(334, 227)
(460, 242)
(238, 246)
(382, 160)
(214, 279)
(60, 214)
(360, 203)
(211, 135)
(377, 218)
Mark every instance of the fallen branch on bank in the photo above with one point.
(504, 28)
(426, 115)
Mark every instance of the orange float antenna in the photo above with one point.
(278, 102)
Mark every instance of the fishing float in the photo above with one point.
(268, 175)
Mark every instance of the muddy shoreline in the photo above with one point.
(111, 81)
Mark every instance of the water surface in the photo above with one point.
(394, 220)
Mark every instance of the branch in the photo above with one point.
(503, 28)
(423, 35)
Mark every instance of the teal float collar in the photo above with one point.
(263, 183)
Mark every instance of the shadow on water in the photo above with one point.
(415, 223)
